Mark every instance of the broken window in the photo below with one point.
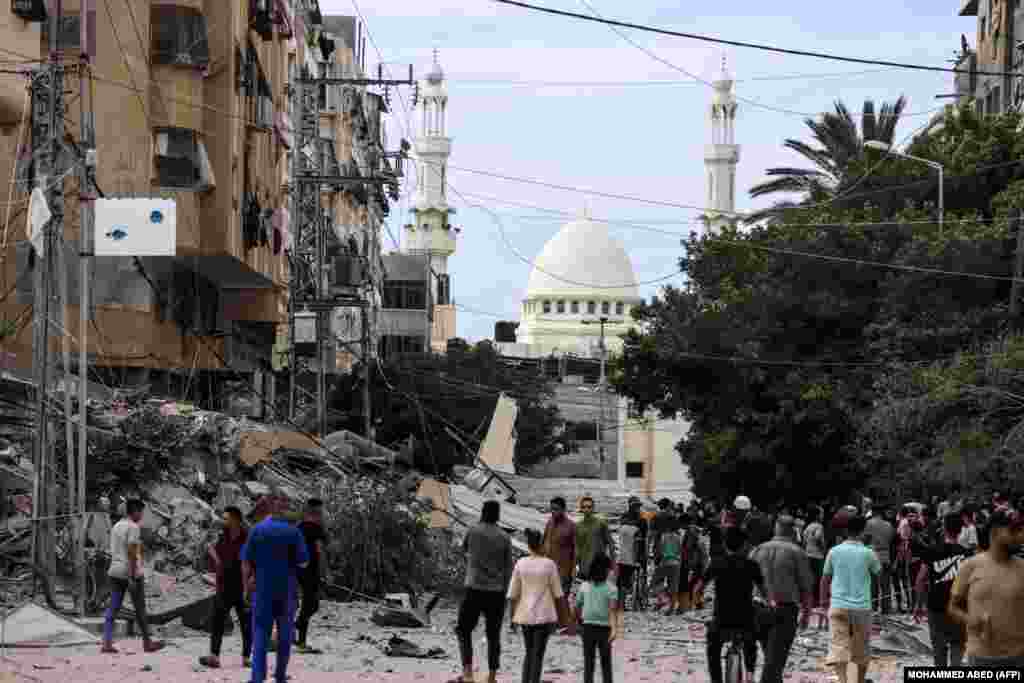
(179, 36)
(181, 160)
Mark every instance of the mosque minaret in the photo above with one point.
(722, 155)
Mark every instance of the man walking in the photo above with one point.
(126, 576)
(560, 542)
(941, 567)
(593, 538)
(988, 596)
(271, 557)
(312, 528)
(488, 572)
(846, 592)
(226, 558)
(881, 535)
(790, 584)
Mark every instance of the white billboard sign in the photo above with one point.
(136, 227)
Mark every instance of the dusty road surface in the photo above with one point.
(657, 649)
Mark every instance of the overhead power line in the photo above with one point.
(735, 214)
(753, 46)
(746, 100)
(668, 83)
(737, 243)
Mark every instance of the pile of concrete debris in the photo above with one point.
(187, 464)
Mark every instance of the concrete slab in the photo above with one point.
(32, 625)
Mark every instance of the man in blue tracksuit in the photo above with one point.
(271, 558)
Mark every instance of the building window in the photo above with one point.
(392, 344)
(181, 160)
(444, 289)
(574, 307)
(606, 308)
(634, 470)
(69, 35)
(407, 295)
(591, 307)
(620, 308)
(253, 85)
(179, 36)
(560, 307)
(547, 306)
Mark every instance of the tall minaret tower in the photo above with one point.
(430, 231)
(722, 155)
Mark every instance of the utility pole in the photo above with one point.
(1018, 269)
(308, 257)
(604, 392)
(86, 207)
(47, 136)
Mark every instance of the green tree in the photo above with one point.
(429, 396)
(791, 331)
(837, 145)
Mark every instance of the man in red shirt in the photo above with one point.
(225, 556)
(560, 542)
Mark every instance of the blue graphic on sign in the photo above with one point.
(117, 234)
(156, 217)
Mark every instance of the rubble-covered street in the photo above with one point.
(657, 648)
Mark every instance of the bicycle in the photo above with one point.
(640, 601)
(734, 655)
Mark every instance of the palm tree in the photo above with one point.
(839, 145)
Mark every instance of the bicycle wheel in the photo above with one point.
(733, 665)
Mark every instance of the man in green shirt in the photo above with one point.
(593, 538)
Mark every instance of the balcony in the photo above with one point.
(968, 8)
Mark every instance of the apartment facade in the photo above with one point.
(193, 102)
(998, 52)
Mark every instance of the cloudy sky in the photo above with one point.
(572, 103)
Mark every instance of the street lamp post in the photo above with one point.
(883, 147)
(602, 321)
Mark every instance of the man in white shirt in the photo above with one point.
(126, 576)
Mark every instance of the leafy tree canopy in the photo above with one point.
(427, 394)
(780, 347)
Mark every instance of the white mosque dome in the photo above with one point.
(583, 259)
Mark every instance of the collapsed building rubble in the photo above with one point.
(187, 465)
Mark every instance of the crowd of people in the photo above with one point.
(954, 563)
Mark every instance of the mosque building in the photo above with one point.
(578, 304)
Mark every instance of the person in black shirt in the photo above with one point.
(226, 558)
(309, 579)
(735, 577)
(940, 566)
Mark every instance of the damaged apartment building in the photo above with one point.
(193, 101)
